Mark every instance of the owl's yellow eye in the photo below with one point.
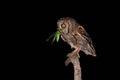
(63, 25)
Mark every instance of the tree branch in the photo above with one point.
(76, 64)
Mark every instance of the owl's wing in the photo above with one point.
(84, 34)
(87, 42)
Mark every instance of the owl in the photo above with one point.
(76, 36)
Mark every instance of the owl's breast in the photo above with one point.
(67, 37)
(72, 40)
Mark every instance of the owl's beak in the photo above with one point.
(60, 30)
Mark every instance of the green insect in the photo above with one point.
(56, 36)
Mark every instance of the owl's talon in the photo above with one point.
(73, 55)
(70, 54)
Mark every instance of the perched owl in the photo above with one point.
(76, 36)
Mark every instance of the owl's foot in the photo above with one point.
(73, 55)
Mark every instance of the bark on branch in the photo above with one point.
(76, 64)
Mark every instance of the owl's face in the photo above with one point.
(63, 25)
(66, 25)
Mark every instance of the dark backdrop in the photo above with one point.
(34, 58)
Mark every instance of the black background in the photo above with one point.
(33, 58)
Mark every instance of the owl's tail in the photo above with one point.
(88, 49)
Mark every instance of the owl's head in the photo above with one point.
(66, 25)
